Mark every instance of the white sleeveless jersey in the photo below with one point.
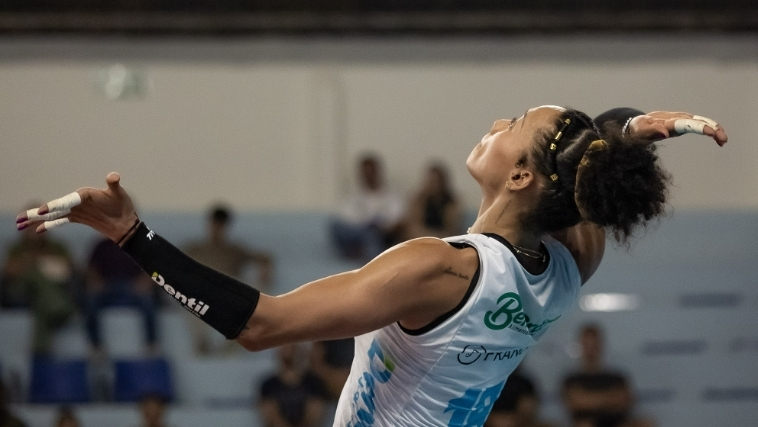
(451, 374)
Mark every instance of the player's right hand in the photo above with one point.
(110, 211)
(660, 125)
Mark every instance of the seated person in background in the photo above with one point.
(518, 404)
(293, 397)
(153, 408)
(369, 222)
(7, 419)
(596, 396)
(219, 253)
(66, 418)
(39, 274)
(434, 211)
(114, 280)
(331, 362)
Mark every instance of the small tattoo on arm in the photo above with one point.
(452, 272)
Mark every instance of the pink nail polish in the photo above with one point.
(22, 226)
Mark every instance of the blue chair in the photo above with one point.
(136, 379)
(59, 381)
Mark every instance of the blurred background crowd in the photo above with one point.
(283, 141)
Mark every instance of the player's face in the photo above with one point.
(507, 144)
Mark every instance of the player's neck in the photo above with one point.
(503, 216)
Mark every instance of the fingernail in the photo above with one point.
(21, 226)
(20, 220)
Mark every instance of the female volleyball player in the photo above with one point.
(439, 324)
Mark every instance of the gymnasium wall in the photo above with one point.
(276, 124)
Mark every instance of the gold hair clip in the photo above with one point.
(554, 148)
(560, 132)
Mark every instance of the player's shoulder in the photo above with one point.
(432, 252)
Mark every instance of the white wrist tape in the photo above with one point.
(33, 215)
(49, 225)
(689, 126)
(710, 122)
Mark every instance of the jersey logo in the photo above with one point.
(472, 353)
(510, 315)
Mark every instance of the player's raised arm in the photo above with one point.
(411, 283)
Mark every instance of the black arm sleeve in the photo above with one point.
(220, 301)
(616, 116)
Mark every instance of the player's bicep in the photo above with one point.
(348, 304)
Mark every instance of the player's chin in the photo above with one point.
(472, 164)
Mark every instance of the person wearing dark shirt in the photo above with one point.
(293, 397)
(434, 210)
(7, 419)
(331, 362)
(518, 404)
(113, 279)
(594, 395)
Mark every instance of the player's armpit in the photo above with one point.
(406, 283)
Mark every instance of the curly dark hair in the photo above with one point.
(622, 187)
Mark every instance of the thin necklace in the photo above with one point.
(529, 253)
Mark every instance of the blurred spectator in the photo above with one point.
(369, 221)
(293, 397)
(518, 404)
(591, 345)
(7, 419)
(114, 280)
(434, 210)
(596, 396)
(331, 361)
(66, 418)
(39, 274)
(219, 253)
(153, 408)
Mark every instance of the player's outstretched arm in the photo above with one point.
(414, 283)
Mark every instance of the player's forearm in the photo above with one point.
(220, 301)
(317, 311)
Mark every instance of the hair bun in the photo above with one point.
(622, 186)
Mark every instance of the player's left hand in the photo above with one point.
(659, 125)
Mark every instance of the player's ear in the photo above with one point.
(520, 179)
